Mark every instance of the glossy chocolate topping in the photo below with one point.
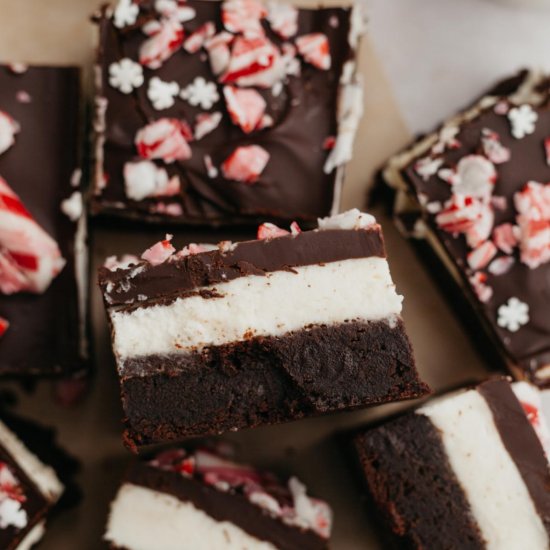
(293, 184)
(43, 337)
(180, 276)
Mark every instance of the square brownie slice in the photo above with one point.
(43, 256)
(468, 469)
(224, 112)
(480, 186)
(294, 324)
(209, 501)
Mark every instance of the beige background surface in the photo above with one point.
(57, 31)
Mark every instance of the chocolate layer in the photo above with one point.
(44, 333)
(293, 184)
(521, 442)
(226, 506)
(266, 381)
(413, 487)
(122, 287)
(35, 504)
(529, 346)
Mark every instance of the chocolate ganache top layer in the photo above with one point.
(483, 188)
(219, 114)
(143, 281)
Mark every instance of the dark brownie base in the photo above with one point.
(223, 506)
(413, 488)
(268, 380)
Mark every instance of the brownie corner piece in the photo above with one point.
(213, 502)
(203, 110)
(294, 324)
(478, 189)
(43, 273)
(467, 469)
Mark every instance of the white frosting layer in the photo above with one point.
(142, 519)
(43, 476)
(283, 301)
(494, 488)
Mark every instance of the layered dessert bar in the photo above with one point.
(293, 324)
(28, 490)
(42, 230)
(466, 470)
(204, 109)
(210, 502)
(478, 190)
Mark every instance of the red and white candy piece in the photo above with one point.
(205, 123)
(246, 107)
(245, 164)
(159, 252)
(315, 49)
(533, 206)
(483, 291)
(29, 258)
(198, 38)
(501, 265)
(254, 62)
(166, 139)
(218, 50)
(493, 148)
(480, 256)
(270, 231)
(243, 16)
(165, 39)
(4, 325)
(283, 19)
(144, 179)
(8, 129)
(505, 237)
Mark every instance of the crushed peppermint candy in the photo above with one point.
(522, 120)
(176, 10)
(446, 140)
(493, 148)
(112, 263)
(505, 237)
(201, 93)
(197, 39)
(166, 138)
(315, 49)
(428, 167)
(478, 282)
(159, 252)
(211, 170)
(205, 123)
(73, 206)
(501, 265)
(12, 497)
(4, 326)
(218, 50)
(533, 220)
(8, 129)
(162, 94)
(243, 16)
(126, 13)
(145, 179)
(270, 231)
(163, 42)
(245, 164)
(125, 75)
(351, 219)
(246, 107)
(23, 96)
(480, 256)
(283, 19)
(513, 315)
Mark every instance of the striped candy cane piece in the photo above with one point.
(29, 257)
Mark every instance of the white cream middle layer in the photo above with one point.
(142, 519)
(498, 498)
(281, 302)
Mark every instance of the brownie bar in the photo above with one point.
(28, 490)
(204, 109)
(480, 187)
(39, 159)
(466, 470)
(259, 332)
(215, 503)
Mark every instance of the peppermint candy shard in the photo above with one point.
(159, 252)
(270, 231)
(505, 237)
(145, 179)
(493, 148)
(243, 16)
(245, 164)
(483, 291)
(4, 326)
(197, 39)
(218, 50)
(480, 256)
(283, 19)
(205, 123)
(8, 129)
(167, 39)
(315, 49)
(246, 107)
(167, 139)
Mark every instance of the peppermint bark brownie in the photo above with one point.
(259, 332)
(209, 501)
(28, 490)
(203, 109)
(466, 470)
(480, 185)
(42, 230)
